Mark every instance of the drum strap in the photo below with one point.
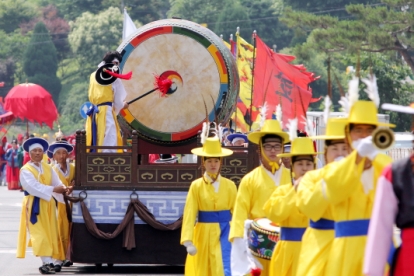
(351, 228)
(292, 233)
(92, 112)
(223, 218)
(322, 224)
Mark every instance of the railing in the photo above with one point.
(399, 153)
(127, 169)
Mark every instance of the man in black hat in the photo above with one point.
(107, 94)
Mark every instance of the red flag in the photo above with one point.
(276, 81)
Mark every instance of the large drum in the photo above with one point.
(201, 67)
(263, 236)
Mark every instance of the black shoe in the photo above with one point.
(67, 263)
(58, 268)
(46, 269)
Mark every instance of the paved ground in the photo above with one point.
(10, 208)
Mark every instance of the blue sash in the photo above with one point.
(35, 208)
(322, 224)
(351, 228)
(291, 233)
(92, 112)
(223, 218)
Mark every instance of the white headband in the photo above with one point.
(35, 146)
(59, 148)
(238, 139)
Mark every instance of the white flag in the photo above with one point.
(129, 26)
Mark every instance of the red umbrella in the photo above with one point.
(32, 102)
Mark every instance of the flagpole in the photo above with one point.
(238, 95)
(251, 94)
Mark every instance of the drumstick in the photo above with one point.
(162, 84)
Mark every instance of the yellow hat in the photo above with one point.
(300, 146)
(212, 148)
(269, 127)
(364, 113)
(45, 136)
(335, 130)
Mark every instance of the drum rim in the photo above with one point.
(226, 98)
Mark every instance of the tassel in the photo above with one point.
(126, 76)
(256, 272)
(163, 85)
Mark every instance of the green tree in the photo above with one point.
(15, 12)
(93, 35)
(143, 10)
(329, 7)
(40, 61)
(70, 119)
(380, 28)
(394, 85)
(199, 11)
(233, 15)
(264, 16)
(74, 8)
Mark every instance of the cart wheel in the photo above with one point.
(110, 265)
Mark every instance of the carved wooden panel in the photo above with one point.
(173, 175)
(235, 166)
(108, 168)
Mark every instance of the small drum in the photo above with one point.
(263, 236)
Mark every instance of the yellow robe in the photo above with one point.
(281, 209)
(206, 236)
(349, 202)
(63, 223)
(255, 189)
(99, 94)
(316, 243)
(44, 236)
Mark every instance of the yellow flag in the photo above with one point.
(245, 66)
(238, 119)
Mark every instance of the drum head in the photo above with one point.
(267, 225)
(201, 68)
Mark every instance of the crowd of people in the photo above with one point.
(329, 220)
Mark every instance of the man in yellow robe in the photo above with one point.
(59, 152)
(108, 98)
(349, 185)
(211, 200)
(38, 216)
(281, 209)
(318, 237)
(255, 189)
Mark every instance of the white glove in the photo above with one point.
(191, 249)
(365, 147)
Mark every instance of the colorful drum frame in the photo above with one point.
(261, 241)
(200, 65)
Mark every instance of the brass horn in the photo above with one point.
(383, 138)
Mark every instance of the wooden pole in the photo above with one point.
(252, 87)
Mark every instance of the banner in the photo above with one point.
(128, 26)
(278, 82)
